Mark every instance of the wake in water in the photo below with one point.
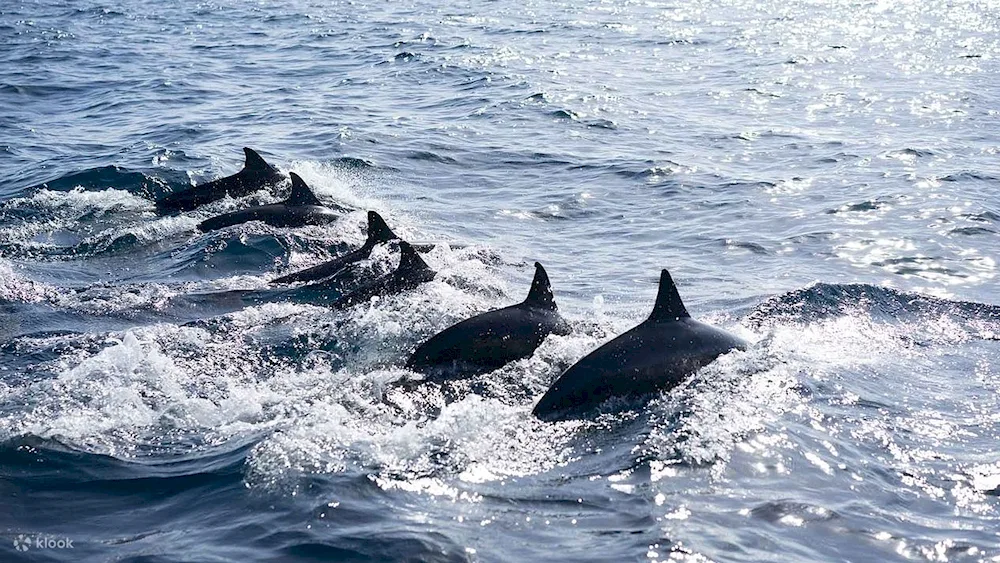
(204, 392)
(656, 356)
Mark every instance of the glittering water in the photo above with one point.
(821, 178)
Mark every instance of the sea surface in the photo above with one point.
(821, 178)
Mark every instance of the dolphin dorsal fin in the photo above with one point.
(301, 194)
(669, 306)
(255, 162)
(378, 231)
(409, 259)
(540, 294)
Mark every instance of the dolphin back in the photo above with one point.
(485, 342)
(654, 356)
(276, 215)
(493, 339)
(411, 272)
(378, 233)
(255, 175)
(326, 269)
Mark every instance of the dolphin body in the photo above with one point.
(340, 291)
(195, 307)
(654, 356)
(378, 233)
(491, 340)
(411, 272)
(301, 208)
(256, 174)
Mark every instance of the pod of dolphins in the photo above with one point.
(655, 356)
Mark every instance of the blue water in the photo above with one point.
(820, 179)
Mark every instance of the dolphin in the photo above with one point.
(411, 272)
(378, 233)
(489, 341)
(301, 208)
(656, 355)
(256, 174)
(195, 306)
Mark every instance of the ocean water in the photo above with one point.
(820, 178)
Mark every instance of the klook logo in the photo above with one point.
(24, 542)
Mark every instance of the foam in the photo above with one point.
(15, 287)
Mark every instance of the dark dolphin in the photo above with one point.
(301, 208)
(491, 340)
(256, 175)
(378, 233)
(193, 307)
(655, 356)
(411, 272)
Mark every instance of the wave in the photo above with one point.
(116, 177)
(923, 316)
(49, 463)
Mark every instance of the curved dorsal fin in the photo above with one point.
(378, 231)
(669, 306)
(255, 162)
(301, 194)
(409, 260)
(540, 294)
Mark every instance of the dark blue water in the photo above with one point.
(820, 179)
